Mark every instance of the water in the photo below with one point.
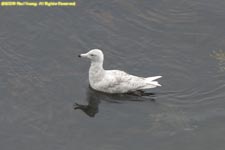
(42, 78)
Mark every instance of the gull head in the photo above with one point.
(95, 55)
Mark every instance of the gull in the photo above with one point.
(114, 81)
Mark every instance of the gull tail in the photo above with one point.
(151, 81)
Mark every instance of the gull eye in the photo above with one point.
(92, 55)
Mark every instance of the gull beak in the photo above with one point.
(83, 55)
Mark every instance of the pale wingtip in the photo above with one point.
(153, 78)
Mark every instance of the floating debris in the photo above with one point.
(220, 57)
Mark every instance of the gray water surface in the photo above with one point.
(41, 77)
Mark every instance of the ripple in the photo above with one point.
(188, 83)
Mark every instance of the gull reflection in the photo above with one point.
(94, 98)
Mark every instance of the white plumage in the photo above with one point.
(114, 81)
